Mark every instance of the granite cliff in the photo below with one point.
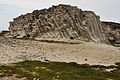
(62, 21)
(112, 30)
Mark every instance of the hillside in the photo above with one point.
(62, 42)
(112, 30)
(61, 21)
(15, 50)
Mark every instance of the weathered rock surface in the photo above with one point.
(113, 32)
(62, 21)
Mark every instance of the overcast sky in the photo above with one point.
(108, 10)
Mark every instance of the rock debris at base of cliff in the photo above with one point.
(16, 50)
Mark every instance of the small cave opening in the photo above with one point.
(71, 38)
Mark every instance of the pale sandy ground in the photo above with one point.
(12, 50)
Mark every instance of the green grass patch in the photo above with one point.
(60, 71)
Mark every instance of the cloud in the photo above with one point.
(45, 3)
(7, 13)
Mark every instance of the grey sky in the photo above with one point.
(108, 10)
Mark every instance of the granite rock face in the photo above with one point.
(112, 30)
(62, 21)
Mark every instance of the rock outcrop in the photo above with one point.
(62, 21)
(112, 30)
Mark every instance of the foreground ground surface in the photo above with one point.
(36, 70)
(16, 50)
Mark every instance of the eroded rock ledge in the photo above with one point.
(112, 30)
(62, 21)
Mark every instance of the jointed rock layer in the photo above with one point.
(62, 21)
